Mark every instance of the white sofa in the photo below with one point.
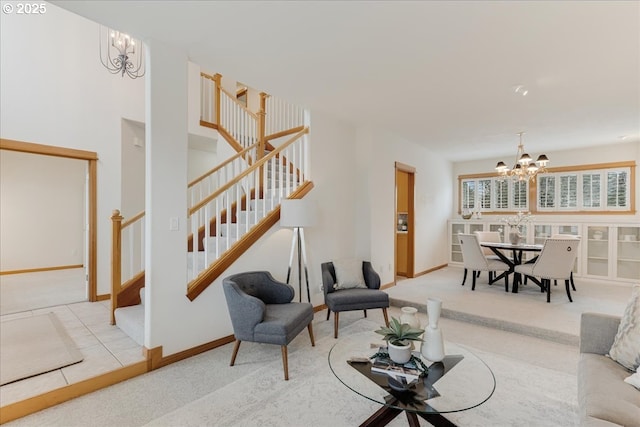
(603, 396)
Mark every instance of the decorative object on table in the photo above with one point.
(433, 343)
(337, 298)
(524, 169)
(409, 316)
(297, 214)
(413, 369)
(399, 336)
(515, 224)
(467, 214)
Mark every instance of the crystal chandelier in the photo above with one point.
(118, 54)
(524, 168)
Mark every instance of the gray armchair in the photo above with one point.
(338, 300)
(261, 311)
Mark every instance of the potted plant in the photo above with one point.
(398, 337)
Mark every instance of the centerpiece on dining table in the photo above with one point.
(515, 223)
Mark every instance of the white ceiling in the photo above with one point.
(437, 73)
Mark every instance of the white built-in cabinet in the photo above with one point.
(606, 251)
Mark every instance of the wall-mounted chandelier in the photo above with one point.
(524, 168)
(121, 53)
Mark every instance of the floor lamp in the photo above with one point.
(297, 214)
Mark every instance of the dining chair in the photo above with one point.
(475, 260)
(566, 236)
(555, 262)
(493, 237)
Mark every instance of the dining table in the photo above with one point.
(517, 251)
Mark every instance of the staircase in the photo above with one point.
(231, 205)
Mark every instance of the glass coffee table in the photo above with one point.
(459, 382)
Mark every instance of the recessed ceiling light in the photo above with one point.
(521, 90)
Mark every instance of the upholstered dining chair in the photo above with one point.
(567, 236)
(493, 237)
(352, 285)
(475, 260)
(555, 262)
(261, 311)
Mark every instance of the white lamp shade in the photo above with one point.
(297, 213)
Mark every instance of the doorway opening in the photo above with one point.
(404, 221)
(86, 232)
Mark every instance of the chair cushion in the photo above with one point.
(348, 274)
(282, 322)
(356, 299)
(626, 345)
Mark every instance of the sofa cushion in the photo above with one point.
(634, 379)
(626, 345)
(603, 394)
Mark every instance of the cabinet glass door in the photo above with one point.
(475, 227)
(628, 253)
(500, 228)
(598, 251)
(456, 252)
(541, 233)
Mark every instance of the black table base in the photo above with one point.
(386, 414)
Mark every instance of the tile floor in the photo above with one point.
(105, 348)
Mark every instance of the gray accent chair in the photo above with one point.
(261, 311)
(604, 398)
(338, 300)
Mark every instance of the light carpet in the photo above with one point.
(525, 395)
(34, 345)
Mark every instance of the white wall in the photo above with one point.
(56, 92)
(615, 152)
(377, 154)
(133, 136)
(42, 205)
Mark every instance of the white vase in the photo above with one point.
(399, 354)
(409, 317)
(433, 343)
(514, 236)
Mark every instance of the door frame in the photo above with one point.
(410, 170)
(92, 201)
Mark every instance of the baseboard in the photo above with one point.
(36, 270)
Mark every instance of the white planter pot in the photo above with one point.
(399, 354)
(409, 317)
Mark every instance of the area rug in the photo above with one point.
(525, 395)
(34, 345)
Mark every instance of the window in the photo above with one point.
(484, 194)
(582, 191)
(617, 193)
(590, 190)
(468, 195)
(501, 195)
(546, 191)
(569, 191)
(520, 191)
(493, 194)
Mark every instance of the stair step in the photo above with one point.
(261, 204)
(231, 230)
(244, 217)
(211, 243)
(130, 320)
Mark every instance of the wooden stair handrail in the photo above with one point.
(221, 165)
(239, 177)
